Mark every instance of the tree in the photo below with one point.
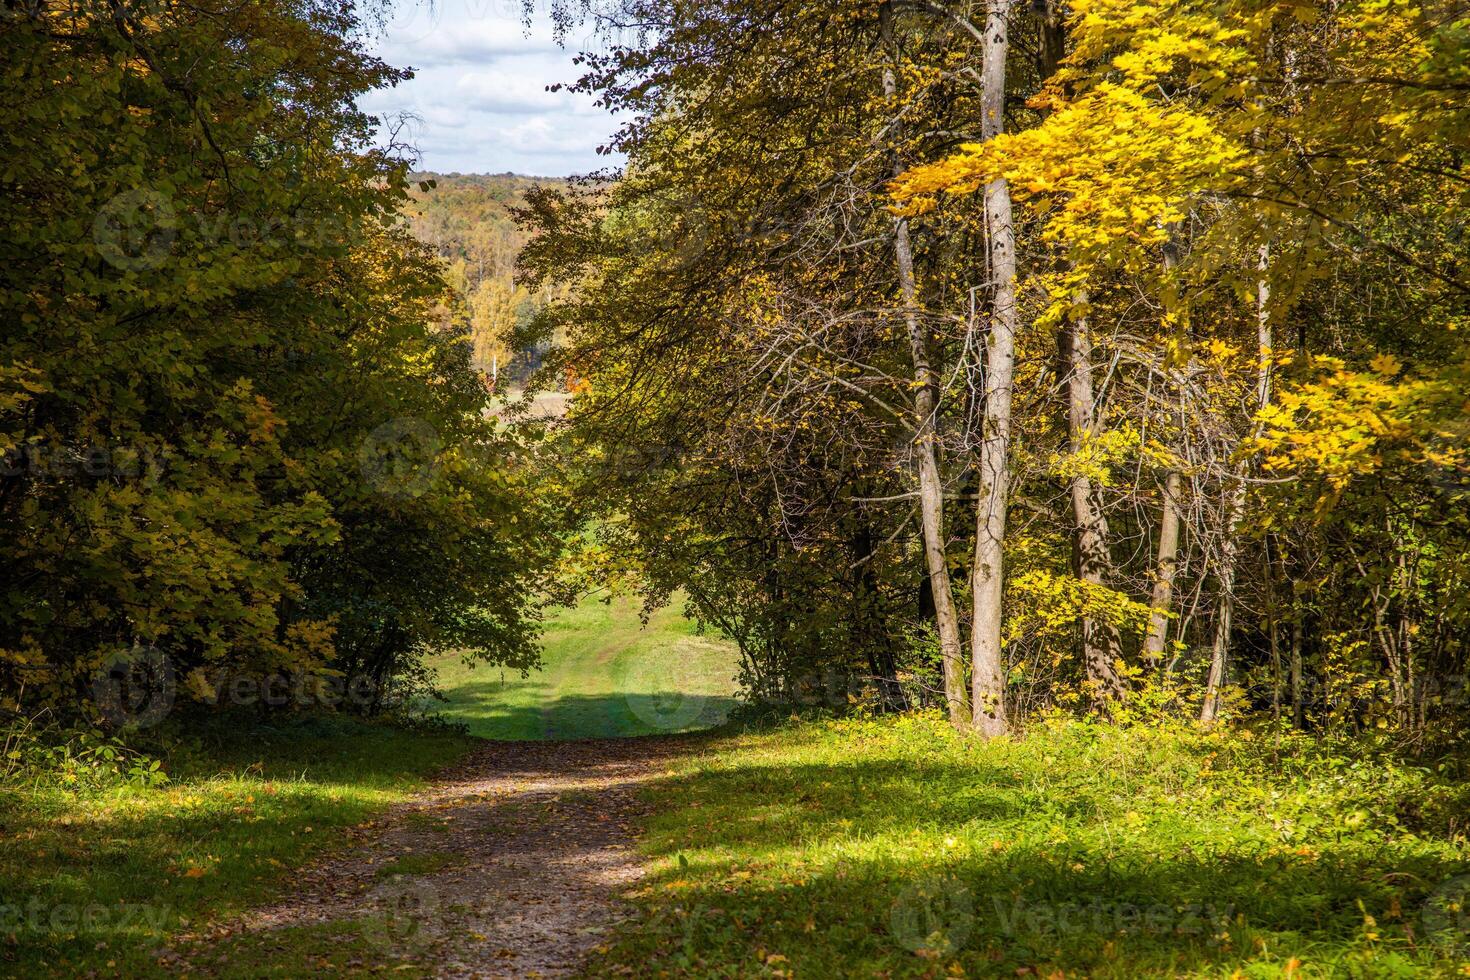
(230, 417)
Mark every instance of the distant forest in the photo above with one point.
(467, 219)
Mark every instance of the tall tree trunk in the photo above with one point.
(1166, 565)
(926, 436)
(1220, 646)
(987, 691)
(1101, 644)
(1235, 508)
(1273, 633)
(1298, 708)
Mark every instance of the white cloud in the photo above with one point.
(515, 89)
(470, 41)
(479, 96)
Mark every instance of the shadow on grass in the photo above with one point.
(107, 875)
(902, 868)
(531, 710)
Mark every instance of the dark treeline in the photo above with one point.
(244, 446)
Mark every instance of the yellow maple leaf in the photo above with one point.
(1386, 364)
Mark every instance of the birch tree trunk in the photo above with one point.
(926, 436)
(1235, 509)
(987, 690)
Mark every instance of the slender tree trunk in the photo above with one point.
(1053, 37)
(1298, 708)
(926, 436)
(1165, 568)
(1101, 644)
(1220, 647)
(1273, 634)
(1407, 630)
(1167, 563)
(1235, 509)
(987, 693)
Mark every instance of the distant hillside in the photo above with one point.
(467, 216)
(467, 219)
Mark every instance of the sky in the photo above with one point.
(478, 102)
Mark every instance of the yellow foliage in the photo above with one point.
(1098, 455)
(1046, 604)
(1343, 424)
(1109, 167)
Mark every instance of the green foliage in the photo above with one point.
(240, 432)
(46, 754)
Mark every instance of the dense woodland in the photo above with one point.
(469, 220)
(243, 433)
(1104, 357)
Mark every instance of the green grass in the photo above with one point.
(98, 879)
(864, 848)
(604, 675)
(896, 848)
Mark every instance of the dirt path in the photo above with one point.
(510, 866)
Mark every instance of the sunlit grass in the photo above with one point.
(100, 879)
(895, 848)
(605, 674)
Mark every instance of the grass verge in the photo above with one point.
(886, 848)
(94, 881)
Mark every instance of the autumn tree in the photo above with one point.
(234, 432)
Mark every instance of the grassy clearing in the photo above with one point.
(99, 879)
(605, 675)
(896, 848)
